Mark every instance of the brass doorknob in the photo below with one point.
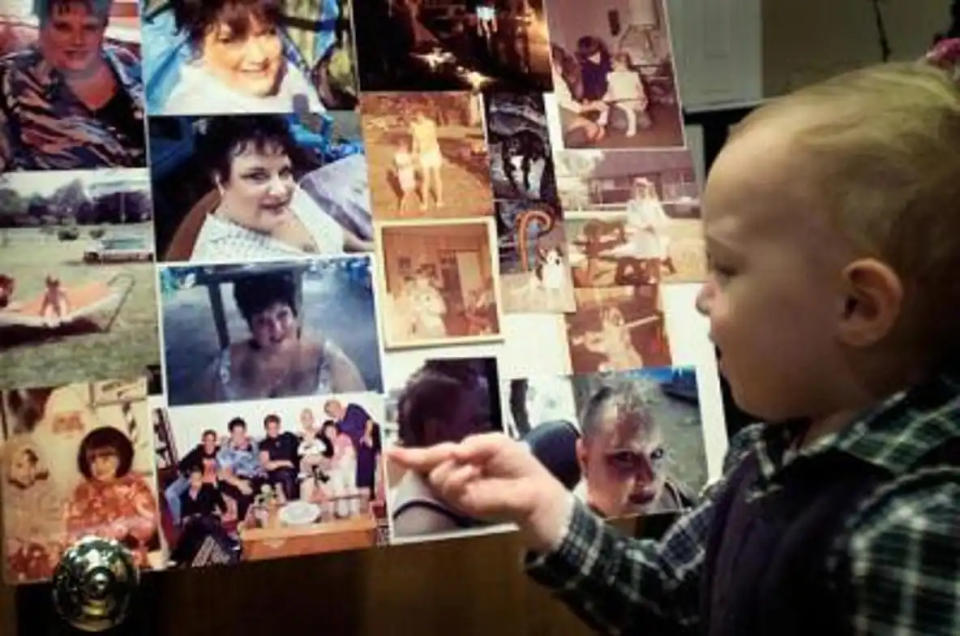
(93, 584)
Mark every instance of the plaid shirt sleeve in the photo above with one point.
(619, 584)
(900, 559)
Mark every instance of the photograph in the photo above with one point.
(614, 81)
(427, 155)
(432, 45)
(78, 461)
(258, 56)
(443, 400)
(640, 447)
(617, 329)
(259, 331)
(439, 283)
(72, 94)
(77, 299)
(631, 218)
(521, 164)
(258, 187)
(534, 266)
(270, 479)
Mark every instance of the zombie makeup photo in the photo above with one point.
(255, 187)
(641, 445)
(532, 247)
(83, 467)
(431, 46)
(617, 329)
(614, 80)
(257, 56)
(443, 400)
(439, 283)
(632, 218)
(427, 155)
(284, 329)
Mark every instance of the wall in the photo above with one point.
(810, 40)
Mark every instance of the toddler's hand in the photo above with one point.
(493, 477)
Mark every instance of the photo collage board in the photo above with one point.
(248, 247)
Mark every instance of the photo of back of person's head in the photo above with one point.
(448, 400)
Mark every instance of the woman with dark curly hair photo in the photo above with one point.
(278, 359)
(237, 62)
(112, 501)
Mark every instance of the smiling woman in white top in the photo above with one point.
(238, 64)
(261, 212)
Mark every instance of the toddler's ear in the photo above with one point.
(873, 301)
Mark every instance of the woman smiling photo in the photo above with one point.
(233, 60)
(258, 210)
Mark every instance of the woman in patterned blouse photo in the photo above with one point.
(71, 100)
(112, 501)
(261, 212)
(279, 359)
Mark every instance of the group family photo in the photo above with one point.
(284, 478)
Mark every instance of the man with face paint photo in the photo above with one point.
(71, 100)
(622, 457)
(236, 62)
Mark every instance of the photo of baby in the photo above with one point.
(284, 329)
(532, 246)
(268, 479)
(617, 329)
(76, 464)
(439, 282)
(256, 187)
(614, 80)
(632, 218)
(427, 155)
(443, 400)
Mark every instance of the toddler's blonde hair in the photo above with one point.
(884, 144)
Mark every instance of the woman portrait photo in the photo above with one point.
(236, 194)
(224, 56)
(113, 501)
(293, 329)
(70, 96)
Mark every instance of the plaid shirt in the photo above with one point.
(902, 544)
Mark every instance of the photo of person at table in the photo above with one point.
(237, 194)
(442, 401)
(71, 94)
(292, 329)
